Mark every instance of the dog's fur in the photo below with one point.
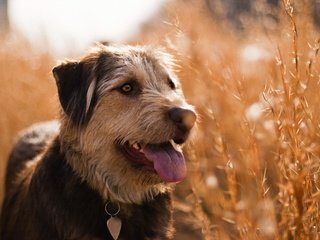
(61, 175)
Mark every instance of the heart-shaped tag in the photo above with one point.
(114, 226)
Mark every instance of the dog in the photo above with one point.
(107, 168)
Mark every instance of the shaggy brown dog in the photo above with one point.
(108, 167)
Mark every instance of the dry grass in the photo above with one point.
(255, 165)
(27, 93)
(254, 168)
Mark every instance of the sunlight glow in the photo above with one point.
(70, 25)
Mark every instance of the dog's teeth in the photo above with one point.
(136, 146)
(175, 146)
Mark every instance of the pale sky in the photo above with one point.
(72, 25)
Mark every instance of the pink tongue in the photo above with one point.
(168, 162)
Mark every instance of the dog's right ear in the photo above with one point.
(73, 80)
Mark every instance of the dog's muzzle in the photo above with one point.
(165, 159)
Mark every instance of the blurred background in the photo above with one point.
(251, 68)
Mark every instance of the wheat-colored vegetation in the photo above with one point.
(27, 93)
(254, 166)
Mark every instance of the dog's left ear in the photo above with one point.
(76, 89)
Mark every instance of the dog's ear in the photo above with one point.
(76, 89)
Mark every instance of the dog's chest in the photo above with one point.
(80, 213)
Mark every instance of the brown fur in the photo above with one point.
(58, 190)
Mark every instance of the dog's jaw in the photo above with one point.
(109, 176)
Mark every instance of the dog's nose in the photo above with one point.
(183, 118)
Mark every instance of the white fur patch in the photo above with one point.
(91, 88)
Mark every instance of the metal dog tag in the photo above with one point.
(114, 226)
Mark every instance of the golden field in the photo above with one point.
(254, 165)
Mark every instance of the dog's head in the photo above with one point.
(124, 120)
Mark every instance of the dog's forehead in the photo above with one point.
(144, 64)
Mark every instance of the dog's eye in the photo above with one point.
(130, 88)
(126, 88)
(171, 84)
